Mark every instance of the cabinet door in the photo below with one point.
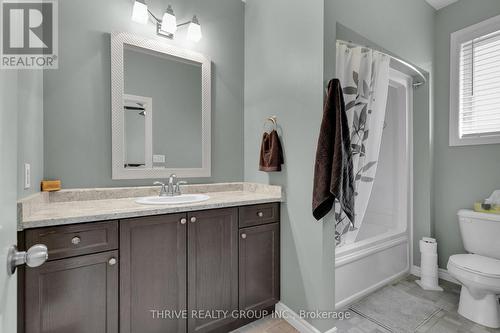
(212, 268)
(153, 274)
(78, 294)
(259, 267)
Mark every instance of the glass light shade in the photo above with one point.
(140, 13)
(169, 23)
(194, 31)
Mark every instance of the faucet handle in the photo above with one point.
(178, 186)
(163, 191)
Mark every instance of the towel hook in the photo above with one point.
(272, 119)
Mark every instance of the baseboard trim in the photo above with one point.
(300, 324)
(443, 274)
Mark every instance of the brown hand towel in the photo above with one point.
(333, 172)
(271, 154)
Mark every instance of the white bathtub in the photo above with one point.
(367, 265)
(381, 252)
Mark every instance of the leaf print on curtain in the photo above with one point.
(364, 74)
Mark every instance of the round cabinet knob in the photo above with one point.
(36, 255)
(244, 236)
(76, 240)
(193, 219)
(260, 214)
(112, 261)
(183, 220)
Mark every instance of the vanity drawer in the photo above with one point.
(259, 214)
(75, 240)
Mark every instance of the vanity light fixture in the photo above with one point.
(169, 22)
(140, 12)
(167, 26)
(194, 30)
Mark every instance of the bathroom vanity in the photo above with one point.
(128, 260)
(128, 268)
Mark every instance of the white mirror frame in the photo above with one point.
(118, 42)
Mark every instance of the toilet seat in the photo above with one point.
(476, 264)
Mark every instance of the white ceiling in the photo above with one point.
(438, 4)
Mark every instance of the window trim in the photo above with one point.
(457, 38)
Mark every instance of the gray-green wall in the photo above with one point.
(77, 106)
(29, 129)
(284, 77)
(466, 174)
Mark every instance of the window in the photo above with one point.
(475, 84)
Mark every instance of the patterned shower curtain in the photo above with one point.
(364, 76)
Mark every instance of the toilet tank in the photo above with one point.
(480, 233)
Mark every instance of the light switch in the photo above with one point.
(158, 158)
(27, 176)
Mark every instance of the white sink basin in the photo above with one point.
(175, 200)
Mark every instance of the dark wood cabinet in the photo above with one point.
(174, 273)
(259, 214)
(153, 274)
(259, 271)
(75, 240)
(77, 294)
(212, 268)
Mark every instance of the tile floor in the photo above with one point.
(267, 325)
(445, 320)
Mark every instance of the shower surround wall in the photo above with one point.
(381, 251)
(77, 96)
(409, 35)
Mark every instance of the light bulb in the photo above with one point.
(169, 22)
(194, 30)
(140, 12)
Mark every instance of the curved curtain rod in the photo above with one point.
(401, 61)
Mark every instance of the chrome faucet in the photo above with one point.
(171, 181)
(172, 188)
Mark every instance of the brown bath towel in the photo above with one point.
(333, 172)
(271, 154)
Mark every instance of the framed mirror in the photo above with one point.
(161, 109)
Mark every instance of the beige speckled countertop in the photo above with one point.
(89, 205)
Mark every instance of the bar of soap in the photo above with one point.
(51, 185)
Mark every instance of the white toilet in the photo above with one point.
(479, 271)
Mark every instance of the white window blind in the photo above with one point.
(479, 114)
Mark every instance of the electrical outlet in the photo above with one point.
(158, 158)
(27, 176)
